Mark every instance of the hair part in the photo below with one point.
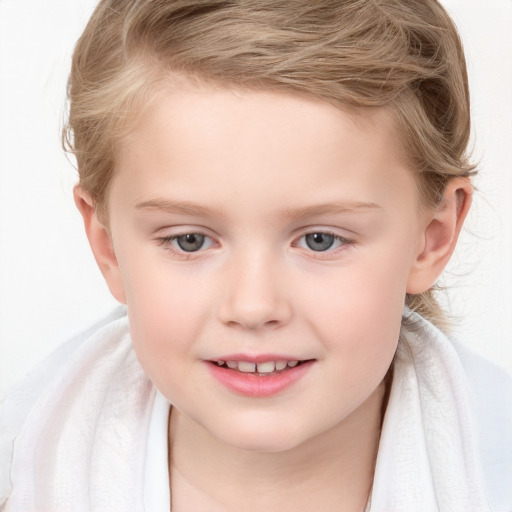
(404, 55)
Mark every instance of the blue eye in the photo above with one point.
(186, 243)
(320, 241)
(191, 242)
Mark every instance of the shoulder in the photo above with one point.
(490, 388)
(484, 378)
(20, 400)
(478, 387)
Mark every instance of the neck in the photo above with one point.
(332, 471)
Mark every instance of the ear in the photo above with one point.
(101, 243)
(440, 236)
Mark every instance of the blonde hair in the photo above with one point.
(404, 55)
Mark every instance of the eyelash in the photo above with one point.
(344, 244)
(167, 241)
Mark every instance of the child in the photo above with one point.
(272, 188)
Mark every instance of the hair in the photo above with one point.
(403, 55)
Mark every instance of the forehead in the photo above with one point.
(207, 140)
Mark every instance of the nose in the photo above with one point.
(255, 296)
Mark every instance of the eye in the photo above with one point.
(322, 241)
(319, 241)
(191, 242)
(187, 242)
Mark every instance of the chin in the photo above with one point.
(263, 440)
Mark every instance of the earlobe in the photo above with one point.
(440, 236)
(101, 243)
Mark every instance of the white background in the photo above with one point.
(49, 285)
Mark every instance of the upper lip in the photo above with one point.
(258, 358)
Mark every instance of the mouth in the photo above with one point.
(262, 378)
(262, 369)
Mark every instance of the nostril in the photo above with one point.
(253, 304)
(253, 324)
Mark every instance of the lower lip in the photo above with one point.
(253, 385)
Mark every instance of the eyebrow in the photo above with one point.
(197, 210)
(180, 207)
(334, 208)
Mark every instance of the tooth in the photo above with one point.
(220, 363)
(267, 367)
(292, 364)
(280, 365)
(232, 364)
(246, 367)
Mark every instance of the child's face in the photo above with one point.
(304, 227)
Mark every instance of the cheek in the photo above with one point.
(166, 312)
(358, 311)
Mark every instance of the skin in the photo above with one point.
(255, 172)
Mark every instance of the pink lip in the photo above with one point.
(259, 358)
(256, 386)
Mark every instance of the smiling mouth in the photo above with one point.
(263, 377)
(263, 369)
